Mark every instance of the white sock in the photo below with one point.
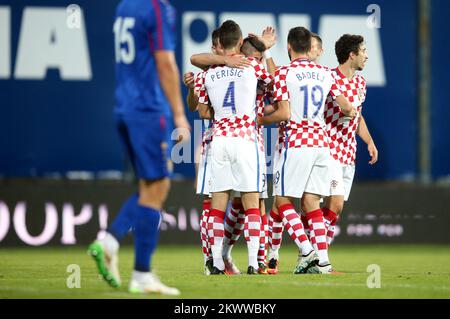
(111, 244)
(139, 275)
(226, 252)
(323, 257)
(217, 257)
(253, 247)
(274, 253)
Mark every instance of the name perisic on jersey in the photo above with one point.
(225, 73)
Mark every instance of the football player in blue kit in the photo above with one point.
(147, 95)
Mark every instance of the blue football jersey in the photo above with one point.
(141, 27)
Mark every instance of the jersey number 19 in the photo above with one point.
(316, 100)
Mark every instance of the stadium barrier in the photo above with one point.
(39, 213)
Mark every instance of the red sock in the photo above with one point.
(305, 224)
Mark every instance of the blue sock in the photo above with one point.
(124, 220)
(146, 233)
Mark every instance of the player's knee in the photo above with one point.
(303, 206)
(154, 193)
(337, 207)
(250, 200)
(309, 203)
(336, 204)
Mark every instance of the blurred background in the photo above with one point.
(63, 174)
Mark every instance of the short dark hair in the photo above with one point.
(215, 37)
(345, 45)
(252, 44)
(317, 37)
(229, 34)
(299, 39)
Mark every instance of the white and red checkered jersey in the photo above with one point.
(341, 129)
(306, 86)
(263, 96)
(206, 124)
(232, 94)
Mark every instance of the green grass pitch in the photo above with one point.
(413, 271)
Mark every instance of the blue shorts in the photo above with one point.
(147, 142)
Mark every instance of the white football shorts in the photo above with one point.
(303, 170)
(263, 171)
(341, 178)
(235, 165)
(204, 172)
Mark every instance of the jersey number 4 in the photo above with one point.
(122, 36)
(228, 100)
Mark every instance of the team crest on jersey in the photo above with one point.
(334, 184)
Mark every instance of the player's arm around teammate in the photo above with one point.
(191, 98)
(205, 60)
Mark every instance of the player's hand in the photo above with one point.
(183, 127)
(259, 120)
(373, 152)
(237, 61)
(188, 80)
(350, 114)
(268, 37)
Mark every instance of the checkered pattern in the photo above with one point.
(216, 228)
(280, 89)
(305, 224)
(206, 246)
(252, 230)
(244, 127)
(200, 88)
(330, 234)
(261, 72)
(294, 226)
(263, 240)
(318, 234)
(207, 137)
(260, 103)
(341, 130)
(330, 219)
(207, 134)
(306, 133)
(199, 81)
(234, 223)
(275, 233)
